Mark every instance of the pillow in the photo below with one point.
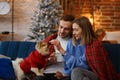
(6, 69)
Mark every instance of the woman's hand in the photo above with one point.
(58, 45)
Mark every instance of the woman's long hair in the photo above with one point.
(88, 34)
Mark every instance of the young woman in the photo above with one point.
(85, 56)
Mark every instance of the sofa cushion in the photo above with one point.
(114, 54)
(15, 49)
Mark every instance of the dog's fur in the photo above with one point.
(18, 71)
(42, 49)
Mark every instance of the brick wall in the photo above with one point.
(105, 13)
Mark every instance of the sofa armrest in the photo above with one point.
(114, 54)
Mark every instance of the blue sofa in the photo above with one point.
(21, 49)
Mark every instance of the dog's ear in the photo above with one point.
(42, 48)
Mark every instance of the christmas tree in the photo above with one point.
(45, 19)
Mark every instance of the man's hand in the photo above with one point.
(59, 75)
(52, 59)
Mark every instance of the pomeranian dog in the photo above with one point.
(35, 62)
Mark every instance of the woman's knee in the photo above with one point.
(76, 70)
(77, 74)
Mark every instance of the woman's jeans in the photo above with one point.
(83, 74)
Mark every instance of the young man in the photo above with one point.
(56, 60)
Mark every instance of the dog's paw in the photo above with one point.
(37, 71)
(39, 74)
(18, 60)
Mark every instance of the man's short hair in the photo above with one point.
(67, 18)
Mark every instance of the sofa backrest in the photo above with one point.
(114, 54)
(15, 49)
(22, 49)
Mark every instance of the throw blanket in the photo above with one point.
(99, 61)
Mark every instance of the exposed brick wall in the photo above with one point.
(106, 13)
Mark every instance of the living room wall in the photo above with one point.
(106, 15)
(23, 11)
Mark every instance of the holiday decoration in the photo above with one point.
(45, 19)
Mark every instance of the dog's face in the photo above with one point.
(42, 48)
